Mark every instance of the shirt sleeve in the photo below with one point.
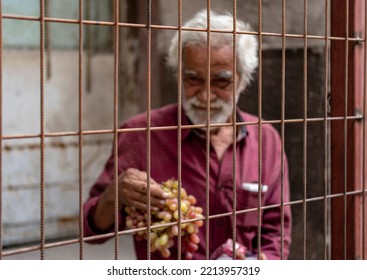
(89, 206)
(128, 156)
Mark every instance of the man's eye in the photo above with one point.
(221, 83)
(193, 81)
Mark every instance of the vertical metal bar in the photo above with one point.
(207, 152)
(42, 127)
(48, 42)
(81, 200)
(149, 105)
(1, 129)
(346, 123)
(89, 39)
(179, 124)
(305, 106)
(282, 161)
(115, 121)
(234, 131)
(326, 132)
(260, 98)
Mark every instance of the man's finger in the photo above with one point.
(139, 205)
(139, 175)
(154, 202)
(263, 257)
(155, 189)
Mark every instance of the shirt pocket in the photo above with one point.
(247, 203)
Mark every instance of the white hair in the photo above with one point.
(246, 54)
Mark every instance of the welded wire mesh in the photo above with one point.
(305, 121)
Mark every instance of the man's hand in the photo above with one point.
(133, 190)
(263, 257)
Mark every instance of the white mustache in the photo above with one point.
(215, 105)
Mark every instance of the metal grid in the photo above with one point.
(117, 25)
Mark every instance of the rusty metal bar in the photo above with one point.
(42, 128)
(282, 133)
(305, 127)
(207, 142)
(216, 216)
(179, 125)
(80, 116)
(346, 77)
(234, 131)
(357, 117)
(48, 41)
(168, 27)
(149, 107)
(326, 134)
(116, 30)
(89, 39)
(1, 130)
(260, 121)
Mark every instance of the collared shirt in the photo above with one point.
(275, 219)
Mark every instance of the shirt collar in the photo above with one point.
(241, 129)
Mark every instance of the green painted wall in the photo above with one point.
(26, 34)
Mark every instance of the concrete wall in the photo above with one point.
(21, 115)
(248, 11)
(21, 158)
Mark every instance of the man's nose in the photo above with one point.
(203, 95)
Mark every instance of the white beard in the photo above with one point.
(196, 110)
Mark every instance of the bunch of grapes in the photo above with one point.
(163, 238)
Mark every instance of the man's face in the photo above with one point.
(195, 72)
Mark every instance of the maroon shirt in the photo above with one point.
(132, 153)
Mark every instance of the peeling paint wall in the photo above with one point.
(21, 158)
(21, 116)
(21, 33)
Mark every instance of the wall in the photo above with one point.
(21, 116)
(248, 11)
(21, 158)
(20, 34)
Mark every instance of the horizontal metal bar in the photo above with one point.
(168, 27)
(211, 217)
(142, 129)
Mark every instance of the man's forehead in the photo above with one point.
(199, 55)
